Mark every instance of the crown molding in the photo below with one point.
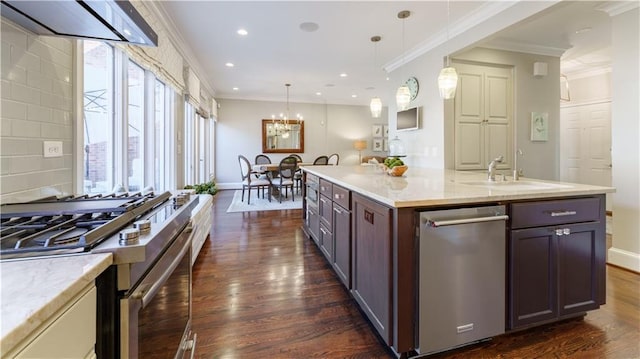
(614, 8)
(179, 42)
(519, 46)
(590, 72)
(480, 15)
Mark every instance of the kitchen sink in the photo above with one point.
(516, 185)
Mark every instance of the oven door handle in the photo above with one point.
(147, 295)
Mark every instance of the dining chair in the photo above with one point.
(321, 160)
(298, 158)
(261, 159)
(248, 181)
(285, 180)
(334, 158)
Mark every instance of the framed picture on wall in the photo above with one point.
(377, 144)
(376, 131)
(385, 130)
(539, 126)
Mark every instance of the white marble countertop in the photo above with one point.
(32, 290)
(428, 187)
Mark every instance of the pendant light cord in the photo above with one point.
(448, 23)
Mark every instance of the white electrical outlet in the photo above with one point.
(52, 148)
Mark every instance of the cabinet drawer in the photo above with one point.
(312, 178)
(326, 188)
(546, 213)
(341, 196)
(325, 210)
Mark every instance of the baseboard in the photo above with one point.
(229, 185)
(624, 259)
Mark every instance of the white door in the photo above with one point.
(483, 110)
(586, 144)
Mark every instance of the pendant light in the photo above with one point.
(448, 78)
(376, 104)
(403, 95)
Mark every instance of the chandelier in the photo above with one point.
(283, 123)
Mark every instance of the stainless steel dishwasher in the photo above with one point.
(461, 277)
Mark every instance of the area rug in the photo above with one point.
(262, 204)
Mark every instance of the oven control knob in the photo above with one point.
(129, 236)
(179, 200)
(143, 226)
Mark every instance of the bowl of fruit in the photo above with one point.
(395, 167)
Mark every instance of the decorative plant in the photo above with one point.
(204, 188)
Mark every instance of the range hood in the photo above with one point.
(100, 20)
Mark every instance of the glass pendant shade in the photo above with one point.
(447, 83)
(403, 97)
(396, 148)
(376, 107)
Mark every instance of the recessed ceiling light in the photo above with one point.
(242, 32)
(309, 27)
(318, 93)
(229, 64)
(343, 75)
(354, 95)
(583, 30)
(235, 89)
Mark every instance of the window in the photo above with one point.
(135, 127)
(159, 159)
(128, 127)
(98, 118)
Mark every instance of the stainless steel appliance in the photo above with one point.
(461, 277)
(144, 298)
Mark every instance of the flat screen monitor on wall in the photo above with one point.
(408, 119)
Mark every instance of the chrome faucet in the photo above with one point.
(516, 171)
(492, 168)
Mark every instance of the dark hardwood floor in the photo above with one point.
(261, 289)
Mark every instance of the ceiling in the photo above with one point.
(280, 48)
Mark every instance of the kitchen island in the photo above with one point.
(366, 223)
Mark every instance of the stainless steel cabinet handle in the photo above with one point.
(452, 222)
(563, 213)
(323, 200)
(337, 210)
(559, 232)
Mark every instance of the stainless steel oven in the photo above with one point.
(155, 315)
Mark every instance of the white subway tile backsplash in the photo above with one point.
(37, 103)
(39, 113)
(24, 94)
(5, 127)
(21, 128)
(54, 131)
(40, 47)
(20, 147)
(38, 81)
(25, 60)
(17, 75)
(56, 71)
(13, 109)
(13, 34)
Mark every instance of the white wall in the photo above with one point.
(37, 100)
(328, 129)
(625, 134)
(539, 159)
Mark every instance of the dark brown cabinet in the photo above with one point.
(371, 262)
(556, 259)
(342, 234)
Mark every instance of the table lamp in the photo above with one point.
(360, 145)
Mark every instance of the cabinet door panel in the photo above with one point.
(325, 210)
(313, 223)
(342, 244)
(467, 145)
(326, 242)
(579, 270)
(533, 293)
(371, 261)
